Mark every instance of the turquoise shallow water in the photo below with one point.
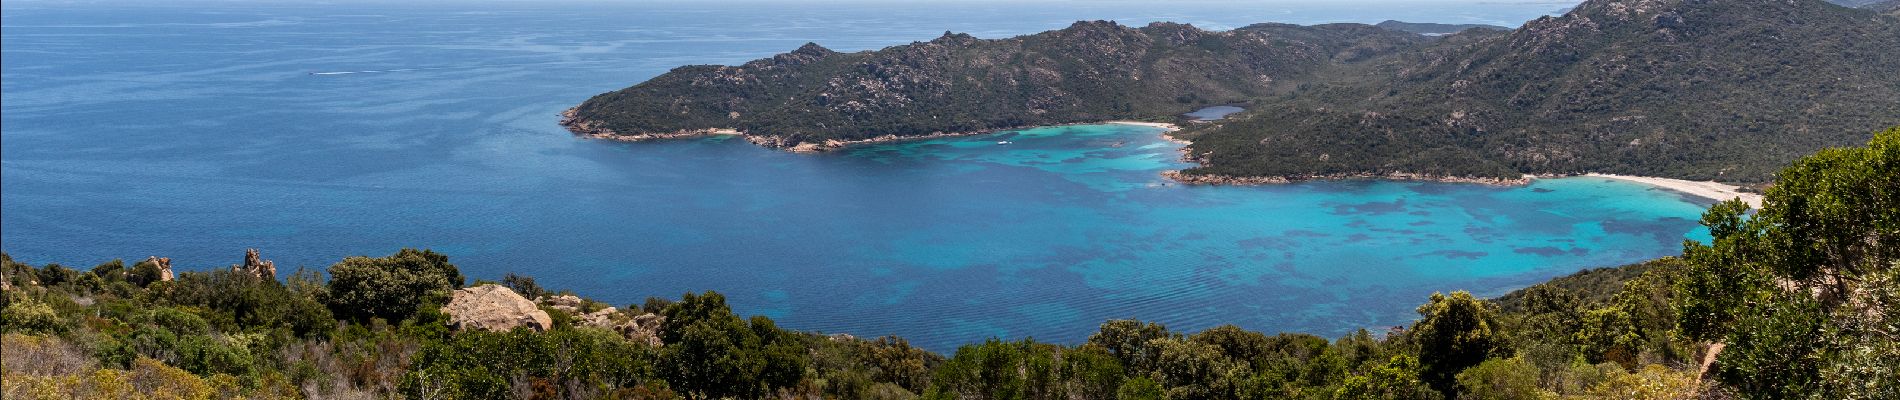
(195, 130)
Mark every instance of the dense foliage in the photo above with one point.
(1797, 299)
(221, 333)
(1806, 292)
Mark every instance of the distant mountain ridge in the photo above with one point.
(1698, 89)
(1433, 29)
(1891, 7)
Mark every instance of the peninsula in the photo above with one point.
(1722, 90)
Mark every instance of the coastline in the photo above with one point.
(587, 129)
(1229, 180)
(570, 119)
(779, 142)
(1163, 125)
(1709, 190)
(1704, 189)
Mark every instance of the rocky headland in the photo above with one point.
(1639, 87)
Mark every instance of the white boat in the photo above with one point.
(1002, 143)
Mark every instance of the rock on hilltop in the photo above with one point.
(494, 308)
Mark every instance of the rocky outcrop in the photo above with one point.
(254, 265)
(644, 328)
(567, 302)
(164, 265)
(494, 308)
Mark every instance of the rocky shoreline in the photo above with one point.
(584, 128)
(780, 142)
(571, 120)
(587, 129)
(1229, 180)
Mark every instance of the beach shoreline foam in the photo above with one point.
(1163, 125)
(1704, 189)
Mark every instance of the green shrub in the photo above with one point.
(391, 288)
(31, 316)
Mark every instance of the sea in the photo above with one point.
(315, 131)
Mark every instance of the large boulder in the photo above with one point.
(494, 308)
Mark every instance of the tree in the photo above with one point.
(111, 270)
(1396, 379)
(392, 288)
(1194, 370)
(1546, 333)
(1140, 389)
(144, 273)
(54, 275)
(523, 285)
(1455, 332)
(1238, 344)
(990, 370)
(1802, 289)
(1094, 373)
(1501, 378)
(29, 316)
(1130, 342)
(892, 359)
(711, 353)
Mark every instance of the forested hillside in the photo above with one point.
(1724, 90)
(1090, 71)
(1698, 89)
(1802, 299)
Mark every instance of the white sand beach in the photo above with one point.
(1703, 189)
(1161, 125)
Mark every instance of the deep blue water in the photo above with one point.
(196, 130)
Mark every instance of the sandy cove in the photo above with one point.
(1163, 125)
(1714, 191)
(1704, 189)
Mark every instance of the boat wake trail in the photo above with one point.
(373, 71)
(379, 71)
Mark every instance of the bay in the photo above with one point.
(313, 132)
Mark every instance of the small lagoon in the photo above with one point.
(1214, 113)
